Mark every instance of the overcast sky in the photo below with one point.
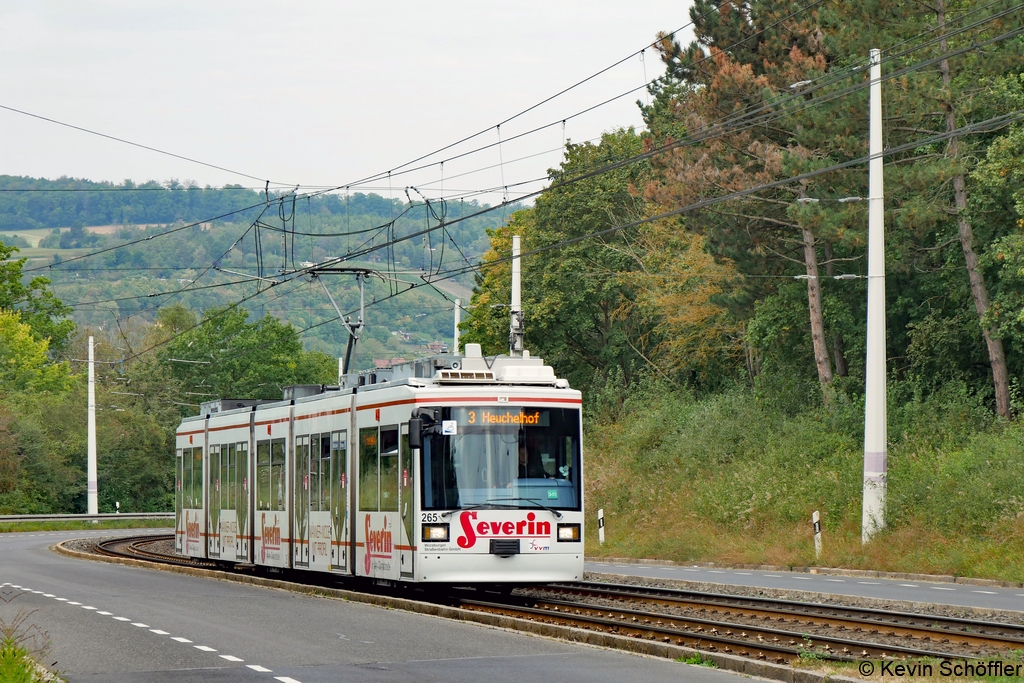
(315, 93)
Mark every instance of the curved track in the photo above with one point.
(762, 628)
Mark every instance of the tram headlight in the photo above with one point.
(568, 532)
(435, 533)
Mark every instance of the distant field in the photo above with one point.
(33, 236)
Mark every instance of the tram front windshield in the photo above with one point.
(482, 457)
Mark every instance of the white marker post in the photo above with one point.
(875, 428)
(516, 333)
(91, 487)
(816, 521)
(458, 319)
(600, 526)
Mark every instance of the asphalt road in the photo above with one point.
(116, 624)
(886, 589)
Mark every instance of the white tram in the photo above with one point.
(453, 469)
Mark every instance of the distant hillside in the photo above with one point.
(135, 280)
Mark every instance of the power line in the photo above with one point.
(993, 121)
(688, 140)
(133, 144)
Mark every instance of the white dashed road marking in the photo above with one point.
(742, 573)
(986, 592)
(203, 648)
(836, 580)
(910, 585)
(802, 578)
(285, 679)
(940, 588)
(868, 583)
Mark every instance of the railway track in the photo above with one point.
(136, 548)
(767, 629)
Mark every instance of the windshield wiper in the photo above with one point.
(492, 504)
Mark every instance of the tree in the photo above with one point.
(24, 363)
(571, 294)
(35, 304)
(227, 357)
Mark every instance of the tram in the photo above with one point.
(454, 469)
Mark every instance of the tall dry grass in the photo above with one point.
(734, 479)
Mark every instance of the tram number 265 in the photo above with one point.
(430, 517)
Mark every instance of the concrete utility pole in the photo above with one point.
(875, 415)
(515, 342)
(458, 319)
(91, 487)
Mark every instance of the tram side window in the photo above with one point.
(338, 452)
(178, 489)
(197, 477)
(302, 475)
(325, 472)
(186, 478)
(278, 488)
(314, 472)
(241, 462)
(263, 475)
(214, 475)
(440, 484)
(368, 492)
(389, 468)
(227, 477)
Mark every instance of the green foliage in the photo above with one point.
(678, 470)
(24, 364)
(36, 305)
(22, 645)
(227, 357)
(571, 295)
(699, 660)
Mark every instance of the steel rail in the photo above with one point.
(926, 628)
(712, 634)
(769, 642)
(134, 551)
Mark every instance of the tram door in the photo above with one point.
(213, 504)
(232, 502)
(242, 519)
(339, 486)
(377, 526)
(300, 552)
(407, 540)
(320, 522)
(270, 518)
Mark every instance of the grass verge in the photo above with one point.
(10, 527)
(734, 480)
